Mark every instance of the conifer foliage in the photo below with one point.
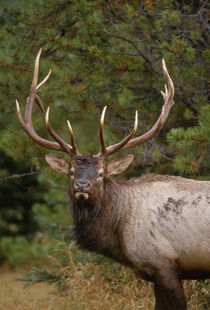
(109, 53)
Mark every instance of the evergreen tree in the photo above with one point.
(109, 53)
(106, 53)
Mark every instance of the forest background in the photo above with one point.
(101, 53)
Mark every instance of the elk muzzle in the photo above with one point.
(82, 189)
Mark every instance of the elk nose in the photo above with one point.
(81, 185)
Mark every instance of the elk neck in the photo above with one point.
(99, 227)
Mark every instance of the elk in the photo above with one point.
(158, 225)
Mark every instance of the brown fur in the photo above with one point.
(99, 222)
(135, 221)
(97, 227)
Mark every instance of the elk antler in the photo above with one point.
(114, 148)
(27, 122)
(129, 141)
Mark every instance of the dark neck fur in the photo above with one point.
(98, 228)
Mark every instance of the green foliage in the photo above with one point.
(19, 250)
(27, 204)
(53, 214)
(19, 191)
(42, 275)
(101, 53)
(193, 145)
(49, 222)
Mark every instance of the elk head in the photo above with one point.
(88, 173)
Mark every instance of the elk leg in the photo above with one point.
(169, 293)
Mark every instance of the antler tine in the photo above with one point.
(64, 145)
(32, 93)
(37, 98)
(101, 131)
(116, 147)
(74, 146)
(44, 80)
(168, 103)
(40, 104)
(169, 81)
(34, 136)
(169, 90)
(25, 127)
(27, 122)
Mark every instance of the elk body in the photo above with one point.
(157, 225)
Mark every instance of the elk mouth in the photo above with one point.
(81, 195)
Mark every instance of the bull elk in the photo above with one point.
(158, 225)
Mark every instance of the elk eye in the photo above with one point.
(101, 174)
(71, 172)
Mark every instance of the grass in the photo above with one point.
(90, 285)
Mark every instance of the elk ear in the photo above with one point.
(119, 165)
(58, 164)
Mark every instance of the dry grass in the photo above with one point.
(14, 296)
(90, 286)
(98, 289)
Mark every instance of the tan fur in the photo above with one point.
(158, 225)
